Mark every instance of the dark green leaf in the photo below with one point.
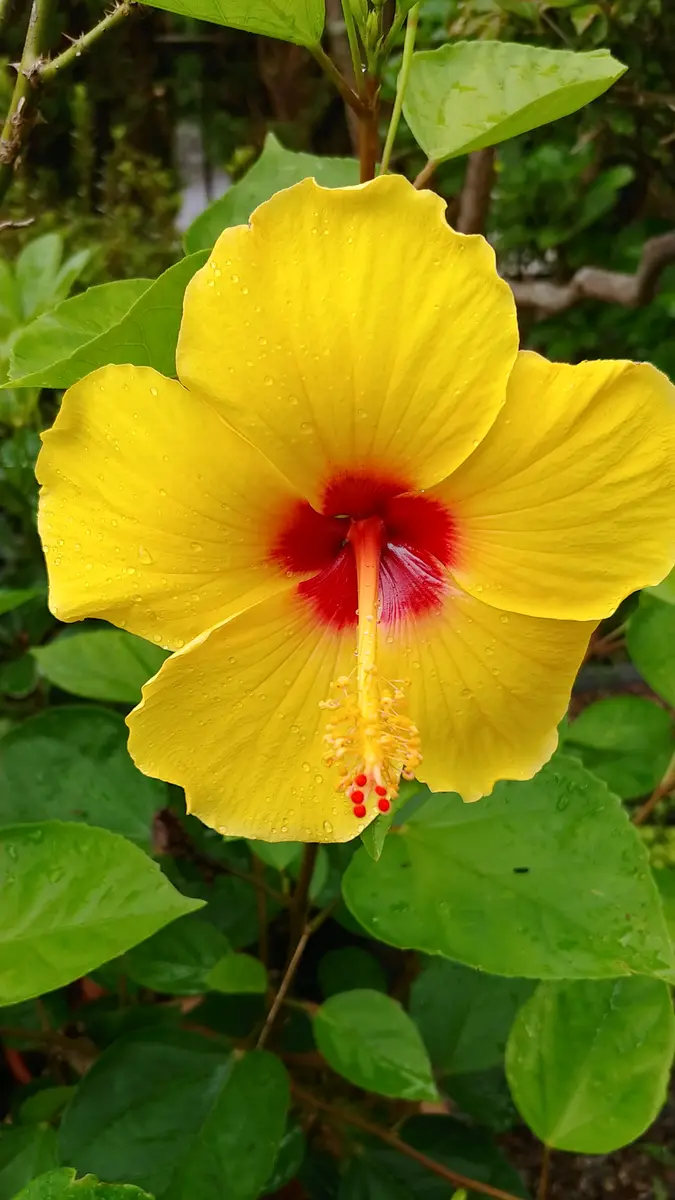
(289, 1159)
(145, 336)
(238, 975)
(73, 898)
(177, 960)
(588, 1061)
(368, 1038)
(299, 21)
(651, 642)
(72, 763)
(100, 664)
(56, 335)
(45, 1105)
(276, 168)
(544, 879)
(627, 741)
(11, 598)
(466, 95)
(278, 855)
(25, 1152)
(485, 1097)
(62, 1185)
(465, 1016)
(348, 968)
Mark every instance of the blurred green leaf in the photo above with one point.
(465, 1016)
(278, 855)
(349, 968)
(11, 598)
(485, 1097)
(664, 590)
(36, 270)
(627, 741)
(588, 1061)
(276, 168)
(651, 643)
(288, 1161)
(238, 975)
(25, 1151)
(53, 337)
(62, 1185)
(100, 664)
(299, 21)
(146, 335)
(72, 763)
(541, 879)
(466, 95)
(45, 1105)
(177, 960)
(73, 898)
(219, 1121)
(368, 1038)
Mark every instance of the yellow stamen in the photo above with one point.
(368, 735)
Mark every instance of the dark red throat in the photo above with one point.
(418, 543)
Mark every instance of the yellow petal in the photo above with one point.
(351, 328)
(153, 513)
(487, 690)
(569, 502)
(235, 719)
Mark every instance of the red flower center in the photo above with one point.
(418, 542)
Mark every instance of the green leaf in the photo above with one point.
(100, 664)
(545, 879)
(368, 1038)
(588, 1061)
(11, 598)
(299, 21)
(278, 855)
(72, 763)
(276, 168)
(238, 975)
(349, 968)
(651, 644)
(288, 1161)
(146, 335)
(25, 1151)
(218, 1122)
(177, 960)
(73, 897)
(36, 271)
(465, 1016)
(58, 334)
(45, 1105)
(625, 740)
(485, 1097)
(664, 590)
(62, 1185)
(466, 95)
(234, 1152)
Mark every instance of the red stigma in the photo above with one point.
(384, 805)
(380, 791)
(360, 810)
(357, 797)
(361, 781)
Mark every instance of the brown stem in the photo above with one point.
(474, 201)
(289, 974)
(542, 1190)
(425, 174)
(369, 138)
(391, 1139)
(261, 907)
(300, 901)
(666, 786)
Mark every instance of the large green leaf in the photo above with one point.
(625, 740)
(178, 959)
(62, 1185)
(238, 975)
(299, 21)
(100, 664)
(218, 1123)
(466, 95)
(145, 336)
(73, 897)
(545, 879)
(72, 763)
(367, 1037)
(465, 1016)
(25, 1151)
(59, 333)
(588, 1061)
(651, 642)
(276, 168)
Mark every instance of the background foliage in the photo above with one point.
(501, 976)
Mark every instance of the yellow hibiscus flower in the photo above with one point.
(376, 535)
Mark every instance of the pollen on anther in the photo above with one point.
(384, 805)
(360, 810)
(361, 780)
(356, 797)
